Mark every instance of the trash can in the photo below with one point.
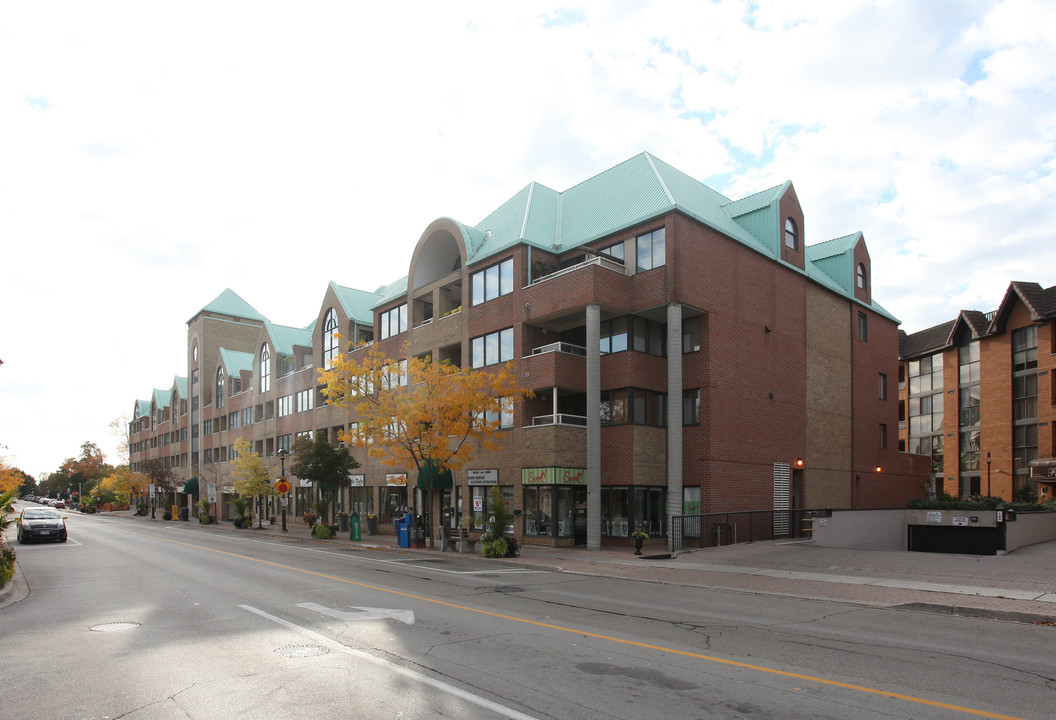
(183, 513)
(403, 531)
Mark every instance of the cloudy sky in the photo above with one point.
(154, 154)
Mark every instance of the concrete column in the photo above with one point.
(674, 415)
(593, 427)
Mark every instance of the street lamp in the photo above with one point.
(283, 452)
(988, 474)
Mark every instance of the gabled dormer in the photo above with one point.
(775, 218)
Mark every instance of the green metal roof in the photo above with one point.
(162, 398)
(229, 303)
(390, 292)
(357, 304)
(142, 409)
(180, 383)
(235, 361)
(285, 337)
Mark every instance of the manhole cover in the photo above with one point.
(509, 589)
(114, 627)
(299, 651)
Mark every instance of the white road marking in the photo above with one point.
(392, 667)
(362, 613)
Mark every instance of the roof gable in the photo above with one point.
(358, 305)
(229, 303)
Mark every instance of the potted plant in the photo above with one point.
(372, 524)
(342, 521)
(639, 536)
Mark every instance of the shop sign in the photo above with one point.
(396, 480)
(357, 480)
(553, 476)
(483, 478)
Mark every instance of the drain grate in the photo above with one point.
(114, 627)
(299, 651)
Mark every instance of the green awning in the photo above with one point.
(191, 486)
(430, 478)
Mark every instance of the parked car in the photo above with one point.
(41, 523)
(60, 504)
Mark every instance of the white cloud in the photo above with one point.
(153, 157)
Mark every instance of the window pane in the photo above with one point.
(645, 253)
(478, 288)
(506, 277)
(659, 248)
(491, 349)
(641, 332)
(491, 283)
(478, 352)
(506, 345)
(619, 335)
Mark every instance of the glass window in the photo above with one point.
(791, 234)
(691, 335)
(651, 250)
(394, 321)
(861, 276)
(492, 282)
(863, 327)
(496, 347)
(265, 368)
(691, 407)
(330, 338)
(614, 251)
(219, 387)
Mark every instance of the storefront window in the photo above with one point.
(625, 509)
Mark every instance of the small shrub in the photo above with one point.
(321, 532)
(7, 564)
(141, 508)
(204, 519)
(494, 546)
(309, 519)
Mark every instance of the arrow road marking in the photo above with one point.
(363, 613)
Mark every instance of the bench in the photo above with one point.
(456, 539)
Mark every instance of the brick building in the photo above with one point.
(976, 395)
(680, 345)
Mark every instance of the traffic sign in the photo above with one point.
(283, 486)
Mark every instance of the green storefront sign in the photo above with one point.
(553, 476)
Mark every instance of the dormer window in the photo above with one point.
(861, 276)
(791, 234)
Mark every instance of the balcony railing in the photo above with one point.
(561, 347)
(559, 419)
(605, 262)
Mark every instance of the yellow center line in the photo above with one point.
(609, 638)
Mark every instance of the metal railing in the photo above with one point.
(717, 529)
(562, 347)
(559, 419)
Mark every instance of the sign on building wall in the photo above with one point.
(554, 476)
(396, 480)
(483, 478)
(357, 480)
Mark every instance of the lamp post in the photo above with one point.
(988, 474)
(283, 452)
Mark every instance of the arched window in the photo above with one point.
(861, 276)
(330, 339)
(791, 234)
(220, 388)
(265, 368)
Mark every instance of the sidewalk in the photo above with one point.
(1020, 586)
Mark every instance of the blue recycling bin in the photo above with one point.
(403, 531)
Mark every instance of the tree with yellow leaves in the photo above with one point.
(121, 486)
(252, 478)
(419, 415)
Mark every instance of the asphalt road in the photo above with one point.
(136, 621)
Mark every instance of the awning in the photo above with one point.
(430, 478)
(190, 487)
(1043, 469)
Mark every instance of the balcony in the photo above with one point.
(557, 364)
(559, 419)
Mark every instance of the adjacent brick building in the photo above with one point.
(977, 397)
(680, 345)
